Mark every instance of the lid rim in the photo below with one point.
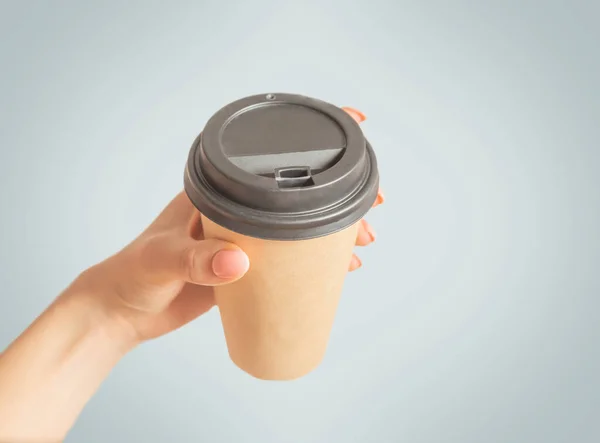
(283, 226)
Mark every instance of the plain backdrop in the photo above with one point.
(475, 315)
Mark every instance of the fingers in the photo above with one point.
(380, 198)
(206, 262)
(358, 116)
(366, 234)
(355, 263)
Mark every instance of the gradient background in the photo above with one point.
(475, 316)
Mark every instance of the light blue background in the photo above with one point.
(475, 316)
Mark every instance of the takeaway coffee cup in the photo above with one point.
(287, 178)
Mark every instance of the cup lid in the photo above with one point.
(282, 167)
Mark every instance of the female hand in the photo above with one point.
(159, 282)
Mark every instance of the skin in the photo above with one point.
(158, 283)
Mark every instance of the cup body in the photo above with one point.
(277, 319)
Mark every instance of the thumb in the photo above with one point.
(206, 262)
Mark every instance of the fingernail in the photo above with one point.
(360, 117)
(371, 235)
(369, 230)
(230, 263)
(379, 199)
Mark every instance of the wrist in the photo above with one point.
(55, 366)
(100, 314)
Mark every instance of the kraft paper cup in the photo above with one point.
(287, 178)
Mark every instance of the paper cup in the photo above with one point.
(286, 178)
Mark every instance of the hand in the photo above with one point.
(159, 282)
(164, 278)
(366, 234)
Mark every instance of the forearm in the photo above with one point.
(49, 373)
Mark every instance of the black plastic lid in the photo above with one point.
(282, 167)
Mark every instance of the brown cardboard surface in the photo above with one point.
(278, 317)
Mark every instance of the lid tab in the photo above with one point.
(294, 177)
